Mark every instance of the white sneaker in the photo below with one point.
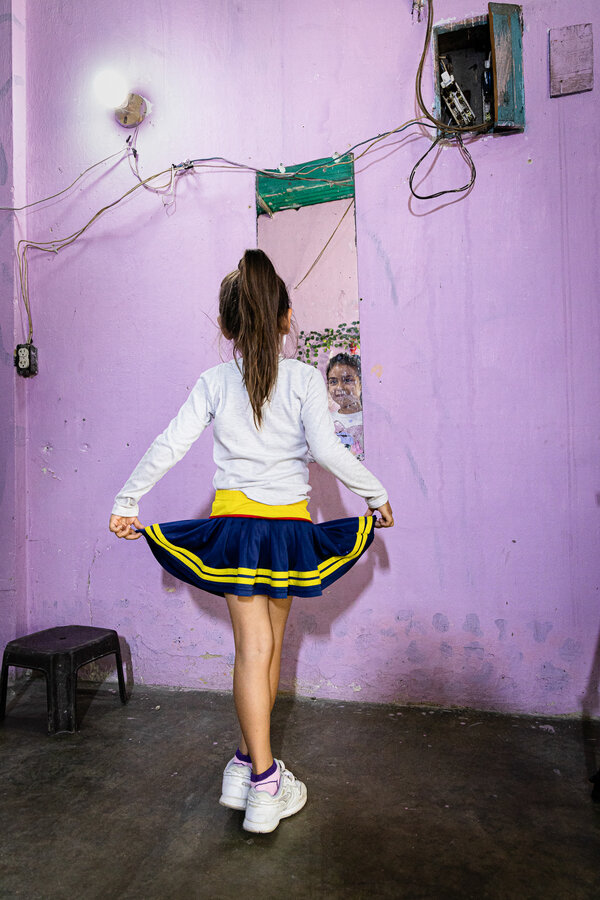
(264, 812)
(236, 784)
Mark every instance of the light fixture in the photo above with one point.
(111, 90)
(132, 112)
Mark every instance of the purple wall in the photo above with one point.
(479, 318)
(13, 553)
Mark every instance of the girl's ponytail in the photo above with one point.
(253, 304)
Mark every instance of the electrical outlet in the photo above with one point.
(26, 360)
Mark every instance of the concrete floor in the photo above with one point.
(402, 803)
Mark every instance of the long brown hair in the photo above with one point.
(253, 303)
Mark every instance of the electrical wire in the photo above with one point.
(342, 157)
(59, 244)
(168, 188)
(418, 5)
(465, 154)
(54, 246)
(301, 173)
(348, 208)
(446, 130)
(443, 126)
(64, 190)
(175, 169)
(381, 137)
(230, 164)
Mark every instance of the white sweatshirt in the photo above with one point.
(268, 464)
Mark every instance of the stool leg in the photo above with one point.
(122, 691)
(62, 686)
(3, 688)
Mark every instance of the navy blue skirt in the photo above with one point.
(246, 556)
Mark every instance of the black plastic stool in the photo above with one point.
(58, 653)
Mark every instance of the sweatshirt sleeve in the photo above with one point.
(327, 449)
(167, 449)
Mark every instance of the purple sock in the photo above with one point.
(267, 781)
(242, 759)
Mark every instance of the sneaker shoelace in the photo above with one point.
(285, 773)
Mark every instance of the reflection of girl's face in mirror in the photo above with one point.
(344, 387)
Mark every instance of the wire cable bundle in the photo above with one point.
(218, 163)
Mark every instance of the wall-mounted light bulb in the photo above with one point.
(111, 88)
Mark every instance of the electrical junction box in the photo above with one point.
(482, 60)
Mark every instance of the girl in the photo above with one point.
(344, 383)
(259, 545)
(345, 390)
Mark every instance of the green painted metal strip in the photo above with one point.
(318, 181)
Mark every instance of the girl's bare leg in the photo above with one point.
(279, 611)
(253, 636)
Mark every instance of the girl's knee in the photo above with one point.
(252, 629)
(256, 649)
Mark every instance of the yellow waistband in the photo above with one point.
(235, 503)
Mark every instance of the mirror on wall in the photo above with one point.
(307, 226)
